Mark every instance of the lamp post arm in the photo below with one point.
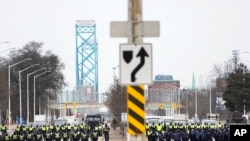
(28, 68)
(6, 42)
(20, 62)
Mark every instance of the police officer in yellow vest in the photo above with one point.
(57, 136)
(63, 129)
(84, 136)
(149, 133)
(220, 126)
(57, 128)
(170, 127)
(65, 136)
(3, 129)
(29, 136)
(198, 126)
(14, 136)
(75, 128)
(17, 129)
(159, 127)
(147, 127)
(21, 136)
(48, 136)
(6, 137)
(38, 136)
(94, 135)
(24, 129)
(75, 136)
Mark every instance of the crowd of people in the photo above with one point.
(185, 132)
(154, 132)
(51, 132)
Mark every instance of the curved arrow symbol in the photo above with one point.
(142, 54)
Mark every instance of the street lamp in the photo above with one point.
(243, 67)
(9, 82)
(6, 42)
(20, 89)
(35, 90)
(28, 112)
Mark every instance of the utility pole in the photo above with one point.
(135, 16)
(135, 29)
(235, 58)
(210, 101)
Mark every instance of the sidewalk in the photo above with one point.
(116, 136)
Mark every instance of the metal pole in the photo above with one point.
(244, 86)
(39, 106)
(48, 110)
(60, 106)
(20, 88)
(196, 113)
(210, 105)
(28, 110)
(179, 104)
(9, 95)
(9, 84)
(188, 104)
(35, 93)
(244, 106)
(135, 17)
(34, 108)
(20, 97)
(28, 99)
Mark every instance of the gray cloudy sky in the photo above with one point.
(195, 34)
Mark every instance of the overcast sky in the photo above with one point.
(195, 34)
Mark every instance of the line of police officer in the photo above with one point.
(192, 132)
(65, 132)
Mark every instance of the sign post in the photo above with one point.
(135, 29)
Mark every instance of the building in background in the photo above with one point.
(164, 91)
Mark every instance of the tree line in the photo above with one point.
(47, 86)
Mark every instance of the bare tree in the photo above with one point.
(116, 99)
(220, 70)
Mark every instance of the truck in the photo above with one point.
(236, 118)
(95, 120)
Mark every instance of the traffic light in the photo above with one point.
(161, 106)
(74, 104)
(174, 106)
(66, 105)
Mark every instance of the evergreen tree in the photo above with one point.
(237, 92)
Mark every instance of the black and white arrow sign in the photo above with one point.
(135, 64)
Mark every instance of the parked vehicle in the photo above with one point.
(95, 120)
(236, 118)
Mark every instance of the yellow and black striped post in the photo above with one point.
(136, 110)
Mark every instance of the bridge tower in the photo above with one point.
(87, 59)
